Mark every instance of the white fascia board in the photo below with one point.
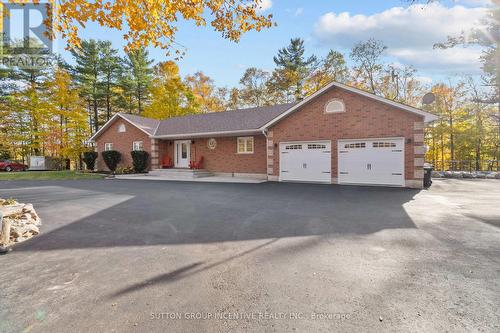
(208, 134)
(110, 121)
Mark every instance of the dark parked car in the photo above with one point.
(8, 165)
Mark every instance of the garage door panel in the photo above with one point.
(377, 162)
(305, 161)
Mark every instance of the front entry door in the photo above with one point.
(182, 153)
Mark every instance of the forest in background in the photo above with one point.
(53, 111)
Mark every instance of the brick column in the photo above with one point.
(418, 155)
(270, 156)
(155, 162)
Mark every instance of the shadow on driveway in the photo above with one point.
(188, 213)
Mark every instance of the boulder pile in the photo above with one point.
(466, 174)
(23, 219)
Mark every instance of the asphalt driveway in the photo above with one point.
(138, 256)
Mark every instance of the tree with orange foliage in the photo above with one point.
(153, 23)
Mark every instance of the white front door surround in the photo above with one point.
(182, 153)
(371, 161)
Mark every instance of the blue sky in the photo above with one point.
(409, 32)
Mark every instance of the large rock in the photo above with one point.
(23, 230)
(24, 220)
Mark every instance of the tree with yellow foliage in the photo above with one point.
(205, 93)
(170, 97)
(68, 127)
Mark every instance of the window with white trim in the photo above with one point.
(137, 145)
(122, 128)
(245, 145)
(108, 146)
(335, 106)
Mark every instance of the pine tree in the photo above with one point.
(138, 65)
(293, 67)
(110, 64)
(87, 74)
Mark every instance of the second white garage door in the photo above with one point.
(371, 161)
(306, 161)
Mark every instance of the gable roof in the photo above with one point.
(250, 120)
(428, 117)
(217, 123)
(147, 125)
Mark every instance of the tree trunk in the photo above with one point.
(442, 151)
(452, 144)
(108, 99)
(96, 114)
(478, 155)
(139, 99)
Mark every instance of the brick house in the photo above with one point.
(339, 135)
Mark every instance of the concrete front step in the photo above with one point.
(180, 173)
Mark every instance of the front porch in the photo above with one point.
(188, 175)
(174, 154)
(219, 156)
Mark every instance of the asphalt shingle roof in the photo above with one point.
(147, 124)
(235, 120)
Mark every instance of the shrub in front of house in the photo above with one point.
(140, 160)
(89, 157)
(111, 158)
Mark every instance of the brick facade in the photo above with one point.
(364, 118)
(122, 142)
(224, 158)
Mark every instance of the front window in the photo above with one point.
(122, 128)
(108, 146)
(137, 145)
(245, 145)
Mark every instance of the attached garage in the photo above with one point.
(371, 161)
(306, 161)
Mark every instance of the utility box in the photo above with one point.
(42, 163)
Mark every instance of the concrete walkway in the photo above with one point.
(211, 179)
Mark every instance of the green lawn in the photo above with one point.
(48, 175)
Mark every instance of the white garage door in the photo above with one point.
(376, 162)
(306, 161)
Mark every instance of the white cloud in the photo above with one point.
(410, 33)
(264, 5)
(425, 79)
(479, 3)
(299, 11)
(458, 59)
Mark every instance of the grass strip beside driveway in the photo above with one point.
(48, 175)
